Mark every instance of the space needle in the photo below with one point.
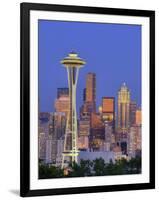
(70, 154)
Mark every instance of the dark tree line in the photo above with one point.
(97, 167)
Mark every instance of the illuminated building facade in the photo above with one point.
(134, 141)
(138, 117)
(97, 134)
(72, 63)
(117, 152)
(62, 104)
(43, 134)
(42, 145)
(83, 142)
(133, 107)
(90, 93)
(59, 126)
(108, 136)
(123, 108)
(49, 150)
(108, 111)
(84, 127)
(60, 148)
(84, 132)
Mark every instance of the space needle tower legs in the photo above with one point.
(70, 154)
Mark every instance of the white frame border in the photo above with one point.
(35, 183)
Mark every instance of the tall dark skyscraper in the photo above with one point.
(89, 95)
(91, 92)
(62, 92)
(84, 94)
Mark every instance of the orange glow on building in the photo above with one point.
(83, 142)
(107, 104)
(62, 104)
(138, 117)
(90, 87)
(108, 110)
(96, 121)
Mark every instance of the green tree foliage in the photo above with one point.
(82, 169)
(97, 167)
(46, 171)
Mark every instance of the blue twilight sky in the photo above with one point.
(112, 51)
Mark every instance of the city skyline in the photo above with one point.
(97, 136)
(108, 81)
(93, 113)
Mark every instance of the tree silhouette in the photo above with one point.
(97, 167)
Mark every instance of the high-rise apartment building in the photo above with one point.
(108, 136)
(134, 141)
(123, 108)
(49, 150)
(43, 134)
(59, 126)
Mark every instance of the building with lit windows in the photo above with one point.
(62, 104)
(84, 127)
(90, 93)
(108, 136)
(97, 132)
(123, 108)
(43, 134)
(138, 117)
(134, 141)
(83, 142)
(59, 126)
(49, 150)
(108, 111)
(133, 108)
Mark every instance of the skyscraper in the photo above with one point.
(108, 136)
(62, 104)
(72, 63)
(43, 134)
(59, 126)
(138, 117)
(108, 111)
(123, 108)
(62, 92)
(97, 132)
(133, 107)
(134, 141)
(84, 94)
(91, 92)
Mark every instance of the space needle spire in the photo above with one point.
(70, 154)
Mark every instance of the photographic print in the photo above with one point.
(90, 116)
(87, 87)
